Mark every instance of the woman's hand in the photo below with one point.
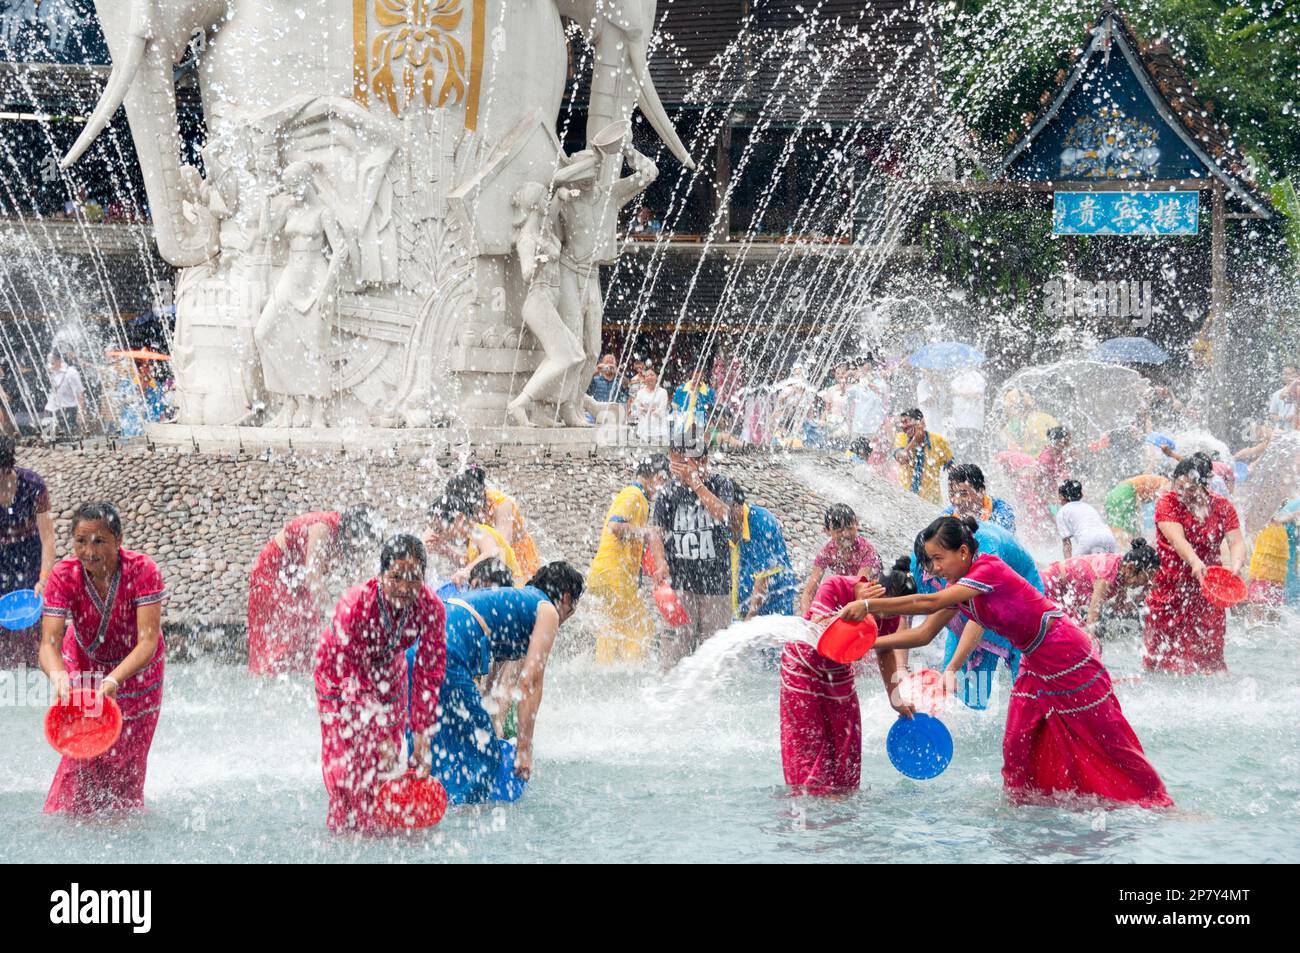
(460, 578)
(855, 611)
(40, 586)
(387, 757)
(60, 687)
(422, 759)
(108, 686)
(523, 762)
(1198, 570)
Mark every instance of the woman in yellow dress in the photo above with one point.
(615, 575)
(453, 534)
(501, 512)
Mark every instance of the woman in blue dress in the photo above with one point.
(487, 628)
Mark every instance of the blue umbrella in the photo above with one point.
(947, 355)
(1130, 351)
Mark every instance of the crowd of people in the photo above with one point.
(429, 646)
(116, 397)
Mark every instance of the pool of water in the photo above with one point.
(632, 768)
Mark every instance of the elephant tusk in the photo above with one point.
(119, 81)
(653, 106)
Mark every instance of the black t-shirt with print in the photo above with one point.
(699, 557)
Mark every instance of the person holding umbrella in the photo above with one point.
(113, 597)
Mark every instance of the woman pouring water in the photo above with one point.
(113, 597)
(1066, 733)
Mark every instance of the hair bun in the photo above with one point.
(971, 523)
(1139, 543)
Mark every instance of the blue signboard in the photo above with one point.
(1126, 213)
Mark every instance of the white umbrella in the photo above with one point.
(1274, 480)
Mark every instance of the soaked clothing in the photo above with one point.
(761, 554)
(1066, 732)
(696, 545)
(976, 685)
(862, 559)
(284, 620)
(483, 626)
(1184, 632)
(20, 558)
(1070, 582)
(614, 581)
(100, 634)
(363, 674)
(523, 547)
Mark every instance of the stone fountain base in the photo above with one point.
(405, 441)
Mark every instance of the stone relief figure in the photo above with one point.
(538, 248)
(293, 331)
(589, 224)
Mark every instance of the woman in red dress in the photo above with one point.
(113, 598)
(1066, 732)
(1184, 632)
(287, 587)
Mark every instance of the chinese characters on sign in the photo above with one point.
(1126, 213)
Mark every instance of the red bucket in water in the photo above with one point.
(925, 691)
(846, 642)
(410, 801)
(670, 607)
(85, 726)
(1222, 588)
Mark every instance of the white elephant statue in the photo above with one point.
(421, 120)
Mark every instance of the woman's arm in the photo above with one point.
(810, 588)
(921, 604)
(316, 558)
(1067, 547)
(1173, 532)
(1100, 593)
(914, 638)
(45, 525)
(969, 641)
(503, 521)
(891, 672)
(51, 655)
(148, 627)
(1237, 550)
(530, 685)
(758, 596)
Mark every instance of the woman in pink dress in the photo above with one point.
(1085, 585)
(113, 598)
(1066, 733)
(821, 721)
(1184, 633)
(288, 584)
(362, 682)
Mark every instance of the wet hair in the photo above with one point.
(7, 457)
(359, 526)
(839, 516)
(967, 473)
(913, 413)
(1071, 491)
(101, 512)
(450, 505)
(1198, 466)
(491, 573)
(860, 447)
(952, 534)
(469, 487)
(557, 580)
(738, 497)
(1142, 556)
(1058, 434)
(652, 465)
(402, 546)
(899, 581)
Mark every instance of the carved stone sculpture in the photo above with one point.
(391, 286)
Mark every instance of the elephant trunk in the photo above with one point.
(144, 55)
(652, 106)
